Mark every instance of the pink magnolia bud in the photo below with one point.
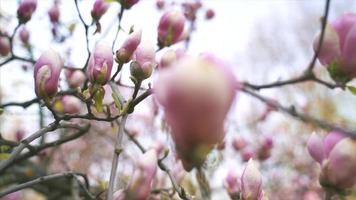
(209, 14)
(25, 10)
(340, 169)
(331, 140)
(4, 46)
(251, 182)
(54, 13)
(238, 143)
(248, 153)
(232, 184)
(140, 185)
(171, 56)
(338, 49)
(128, 3)
(144, 61)
(68, 104)
(46, 74)
(160, 4)
(100, 64)
(75, 78)
(99, 9)
(170, 28)
(124, 54)
(24, 35)
(196, 94)
(316, 147)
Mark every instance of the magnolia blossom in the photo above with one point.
(124, 54)
(128, 3)
(100, 64)
(171, 27)
(46, 74)
(68, 104)
(171, 56)
(338, 50)
(196, 94)
(209, 14)
(232, 184)
(54, 13)
(144, 61)
(24, 35)
(265, 148)
(251, 182)
(75, 78)
(99, 9)
(336, 154)
(238, 143)
(25, 10)
(5, 47)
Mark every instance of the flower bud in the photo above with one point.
(338, 49)
(127, 4)
(209, 14)
(68, 104)
(340, 169)
(251, 182)
(99, 9)
(248, 153)
(24, 35)
(238, 143)
(4, 46)
(232, 184)
(124, 54)
(170, 28)
(100, 64)
(75, 78)
(160, 4)
(46, 74)
(197, 124)
(168, 58)
(316, 147)
(144, 62)
(25, 10)
(54, 13)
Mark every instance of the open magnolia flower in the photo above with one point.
(196, 94)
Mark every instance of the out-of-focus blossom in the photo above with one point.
(248, 153)
(68, 104)
(75, 78)
(170, 28)
(4, 46)
(232, 184)
(144, 61)
(25, 10)
(160, 4)
(99, 9)
(251, 182)
(196, 94)
(265, 148)
(127, 4)
(124, 54)
(338, 51)
(24, 35)
(46, 74)
(54, 13)
(170, 56)
(209, 14)
(238, 143)
(100, 64)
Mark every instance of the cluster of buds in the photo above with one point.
(99, 9)
(338, 50)
(336, 155)
(46, 74)
(171, 28)
(196, 94)
(5, 46)
(127, 4)
(75, 78)
(25, 10)
(144, 60)
(262, 152)
(248, 187)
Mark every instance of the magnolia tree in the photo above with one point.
(163, 134)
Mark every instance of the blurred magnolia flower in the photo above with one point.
(247, 153)
(68, 104)
(171, 27)
(46, 74)
(160, 4)
(100, 64)
(232, 184)
(54, 13)
(75, 78)
(124, 54)
(251, 182)
(4, 46)
(99, 9)
(196, 94)
(265, 148)
(127, 4)
(338, 50)
(238, 143)
(24, 35)
(209, 14)
(25, 10)
(171, 56)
